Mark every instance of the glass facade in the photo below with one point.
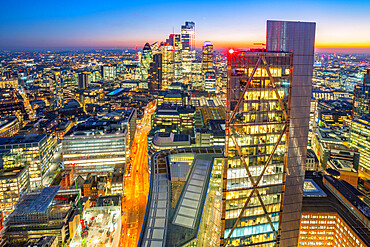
(37, 155)
(256, 147)
(146, 59)
(94, 153)
(360, 139)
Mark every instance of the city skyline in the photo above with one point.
(341, 26)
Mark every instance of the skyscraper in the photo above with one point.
(188, 36)
(155, 73)
(361, 100)
(58, 90)
(268, 104)
(207, 57)
(146, 59)
(299, 38)
(359, 135)
(168, 72)
(188, 48)
(83, 79)
(175, 41)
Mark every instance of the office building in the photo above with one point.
(109, 72)
(173, 118)
(83, 80)
(267, 122)
(298, 37)
(168, 72)
(197, 76)
(188, 48)
(57, 89)
(207, 57)
(360, 139)
(361, 100)
(174, 40)
(146, 59)
(40, 213)
(332, 214)
(13, 184)
(34, 151)
(9, 126)
(210, 81)
(155, 73)
(96, 146)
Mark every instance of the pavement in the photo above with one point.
(136, 184)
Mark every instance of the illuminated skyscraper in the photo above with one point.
(268, 109)
(155, 73)
(359, 135)
(175, 41)
(188, 48)
(361, 101)
(207, 57)
(168, 72)
(146, 59)
(299, 38)
(58, 90)
(83, 80)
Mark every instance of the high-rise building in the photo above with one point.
(58, 90)
(207, 57)
(268, 110)
(210, 81)
(168, 73)
(155, 73)
(360, 139)
(83, 80)
(188, 48)
(109, 72)
(361, 100)
(175, 41)
(299, 38)
(146, 59)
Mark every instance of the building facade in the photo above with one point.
(267, 122)
(34, 151)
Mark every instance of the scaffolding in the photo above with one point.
(256, 144)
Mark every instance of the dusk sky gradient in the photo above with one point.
(341, 25)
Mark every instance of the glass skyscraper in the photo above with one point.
(146, 59)
(268, 109)
(188, 48)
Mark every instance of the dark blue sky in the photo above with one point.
(109, 23)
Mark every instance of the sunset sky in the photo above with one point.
(341, 25)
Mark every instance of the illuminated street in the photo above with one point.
(136, 185)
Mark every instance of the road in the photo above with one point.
(136, 184)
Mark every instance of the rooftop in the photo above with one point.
(21, 139)
(330, 203)
(165, 225)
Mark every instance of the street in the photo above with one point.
(136, 184)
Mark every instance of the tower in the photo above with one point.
(146, 59)
(175, 41)
(188, 48)
(268, 109)
(299, 38)
(207, 57)
(155, 73)
(83, 79)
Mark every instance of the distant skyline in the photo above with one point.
(342, 26)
